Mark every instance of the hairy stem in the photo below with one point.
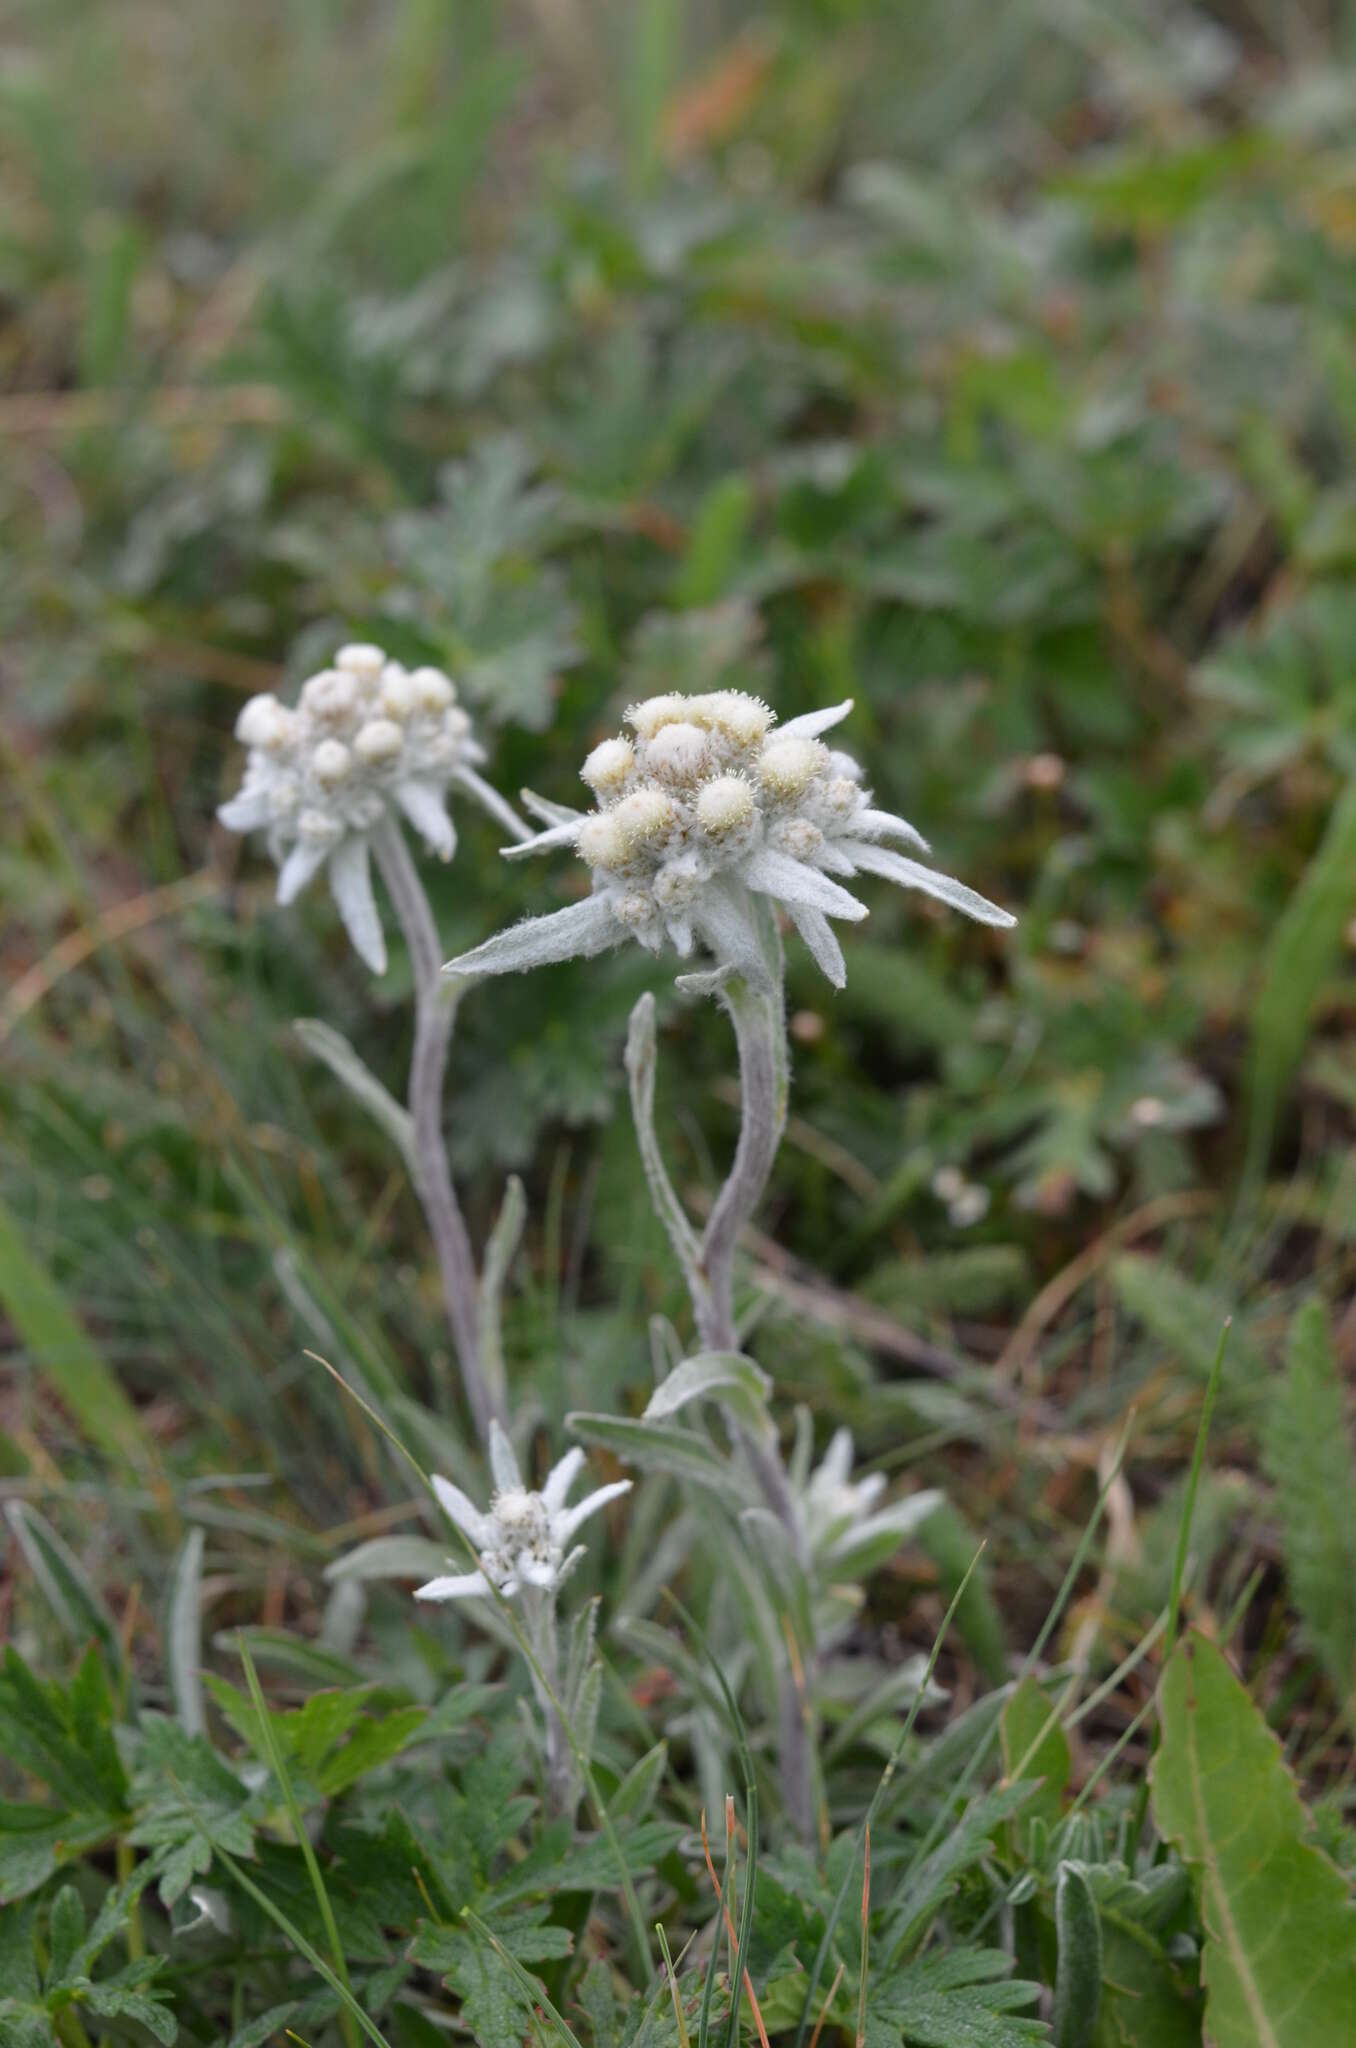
(562, 1789)
(759, 1019)
(433, 1018)
(758, 1014)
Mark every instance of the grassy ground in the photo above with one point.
(993, 368)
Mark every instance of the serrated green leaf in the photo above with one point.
(964, 1999)
(1280, 1951)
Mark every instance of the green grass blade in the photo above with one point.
(61, 1347)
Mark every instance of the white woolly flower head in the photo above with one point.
(702, 805)
(524, 1538)
(366, 740)
(843, 1530)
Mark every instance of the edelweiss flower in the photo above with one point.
(840, 1531)
(707, 804)
(366, 740)
(523, 1539)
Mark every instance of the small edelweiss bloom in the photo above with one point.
(840, 1523)
(367, 739)
(703, 806)
(524, 1538)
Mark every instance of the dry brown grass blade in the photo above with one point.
(733, 1938)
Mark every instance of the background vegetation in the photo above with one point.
(993, 367)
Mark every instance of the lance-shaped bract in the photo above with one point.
(706, 805)
(366, 740)
(524, 1537)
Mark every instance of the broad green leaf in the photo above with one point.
(59, 1346)
(1308, 1457)
(712, 1375)
(1149, 2000)
(1036, 1750)
(1280, 1952)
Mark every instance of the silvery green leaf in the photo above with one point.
(362, 1084)
(389, 1557)
(713, 1375)
(659, 1447)
(183, 1634)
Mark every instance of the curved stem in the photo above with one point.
(433, 1019)
(759, 1019)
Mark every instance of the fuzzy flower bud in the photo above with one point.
(265, 724)
(647, 719)
(377, 741)
(725, 807)
(331, 762)
(607, 767)
(397, 698)
(679, 753)
(363, 661)
(787, 767)
(330, 697)
(644, 817)
(433, 691)
(600, 842)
